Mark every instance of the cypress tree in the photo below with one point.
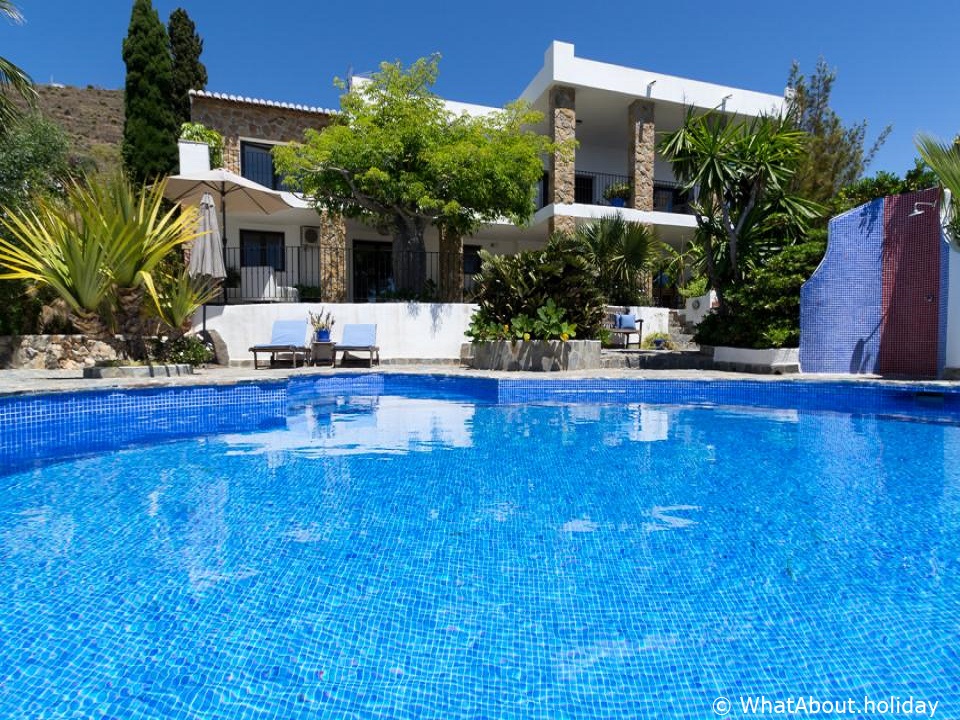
(150, 126)
(188, 72)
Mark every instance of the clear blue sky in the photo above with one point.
(896, 64)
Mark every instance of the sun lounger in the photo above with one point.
(358, 338)
(288, 338)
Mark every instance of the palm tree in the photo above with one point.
(621, 251)
(12, 77)
(739, 172)
(944, 160)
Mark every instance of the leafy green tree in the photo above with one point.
(396, 159)
(150, 126)
(12, 78)
(621, 251)
(740, 173)
(188, 72)
(836, 154)
(33, 160)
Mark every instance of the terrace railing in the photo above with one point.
(589, 188)
(270, 273)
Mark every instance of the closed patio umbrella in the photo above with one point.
(206, 252)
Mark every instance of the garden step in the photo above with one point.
(656, 359)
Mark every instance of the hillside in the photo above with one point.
(91, 117)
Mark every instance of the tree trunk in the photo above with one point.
(409, 257)
(451, 267)
(130, 302)
(89, 324)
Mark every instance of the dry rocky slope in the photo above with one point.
(91, 117)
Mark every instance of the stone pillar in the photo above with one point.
(231, 153)
(563, 128)
(333, 258)
(451, 267)
(642, 144)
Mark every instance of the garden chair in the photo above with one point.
(289, 337)
(358, 338)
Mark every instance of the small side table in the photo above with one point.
(321, 353)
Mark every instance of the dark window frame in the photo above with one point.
(261, 256)
(257, 175)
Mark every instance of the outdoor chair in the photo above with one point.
(358, 338)
(288, 338)
(623, 325)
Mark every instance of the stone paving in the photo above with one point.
(40, 381)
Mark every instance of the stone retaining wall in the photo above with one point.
(54, 352)
(537, 355)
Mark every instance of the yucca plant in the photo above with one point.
(46, 245)
(99, 249)
(178, 297)
(620, 251)
(137, 231)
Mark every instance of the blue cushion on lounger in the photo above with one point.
(359, 336)
(289, 332)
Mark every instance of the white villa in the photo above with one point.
(613, 112)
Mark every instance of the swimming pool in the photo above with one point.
(398, 547)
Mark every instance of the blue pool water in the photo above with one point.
(392, 555)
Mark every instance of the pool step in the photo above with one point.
(656, 359)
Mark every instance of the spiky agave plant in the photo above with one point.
(137, 230)
(98, 249)
(178, 297)
(47, 246)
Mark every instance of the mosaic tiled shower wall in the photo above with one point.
(878, 301)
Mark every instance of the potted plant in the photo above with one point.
(322, 324)
(617, 194)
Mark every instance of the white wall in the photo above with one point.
(704, 305)
(404, 330)
(655, 319)
(426, 331)
(953, 310)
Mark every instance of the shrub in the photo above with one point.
(549, 324)
(186, 349)
(765, 307)
(514, 286)
(697, 287)
(650, 341)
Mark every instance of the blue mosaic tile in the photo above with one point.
(391, 556)
(510, 549)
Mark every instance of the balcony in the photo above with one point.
(588, 189)
(277, 273)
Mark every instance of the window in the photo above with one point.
(372, 270)
(471, 260)
(256, 163)
(259, 248)
(471, 266)
(583, 189)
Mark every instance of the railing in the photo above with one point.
(361, 274)
(589, 188)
